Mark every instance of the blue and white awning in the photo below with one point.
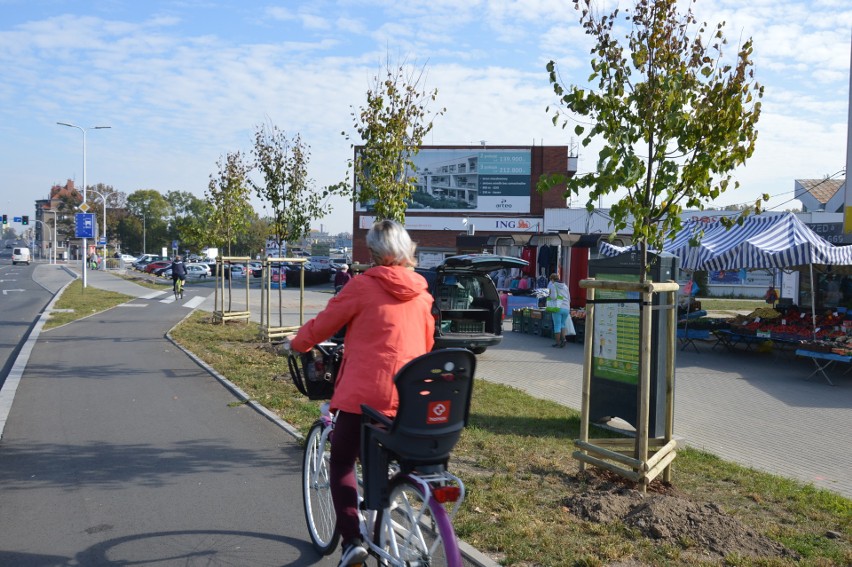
(763, 241)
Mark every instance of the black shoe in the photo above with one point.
(555, 345)
(354, 553)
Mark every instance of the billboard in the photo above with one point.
(470, 179)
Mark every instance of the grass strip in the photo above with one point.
(516, 461)
(76, 303)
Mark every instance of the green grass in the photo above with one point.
(516, 461)
(82, 303)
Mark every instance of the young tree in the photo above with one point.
(675, 118)
(283, 164)
(228, 193)
(392, 126)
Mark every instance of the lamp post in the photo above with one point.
(104, 228)
(85, 241)
(54, 232)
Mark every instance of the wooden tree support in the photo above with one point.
(640, 459)
(268, 332)
(221, 314)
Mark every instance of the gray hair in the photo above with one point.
(390, 244)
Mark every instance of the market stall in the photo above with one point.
(763, 242)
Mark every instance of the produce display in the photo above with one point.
(791, 325)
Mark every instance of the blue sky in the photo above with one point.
(183, 83)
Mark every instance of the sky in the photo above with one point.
(183, 83)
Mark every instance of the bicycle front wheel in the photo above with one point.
(316, 491)
(417, 530)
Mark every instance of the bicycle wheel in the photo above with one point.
(416, 531)
(316, 491)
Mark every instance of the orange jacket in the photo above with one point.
(387, 313)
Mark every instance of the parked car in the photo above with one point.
(197, 270)
(256, 269)
(149, 268)
(467, 308)
(146, 259)
(159, 271)
(126, 259)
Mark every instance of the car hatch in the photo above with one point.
(479, 263)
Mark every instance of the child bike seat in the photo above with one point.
(434, 404)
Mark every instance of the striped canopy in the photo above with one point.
(763, 241)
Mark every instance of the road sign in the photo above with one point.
(101, 241)
(84, 225)
(84, 207)
(17, 219)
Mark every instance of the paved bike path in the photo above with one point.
(120, 449)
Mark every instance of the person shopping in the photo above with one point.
(387, 313)
(559, 306)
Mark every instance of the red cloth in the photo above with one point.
(579, 270)
(528, 254)
(388, 316)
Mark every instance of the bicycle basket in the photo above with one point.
(315, 371)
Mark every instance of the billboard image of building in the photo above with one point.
(485, 181)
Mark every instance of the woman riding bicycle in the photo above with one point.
(387, 313)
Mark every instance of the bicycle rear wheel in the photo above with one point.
(316, 491)
(418, 531)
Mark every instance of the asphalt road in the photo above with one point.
(120, 450)
(21, 303)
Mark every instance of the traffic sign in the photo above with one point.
(84, 207)
(84, 225)
(17, 219)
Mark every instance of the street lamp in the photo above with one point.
(55, 229)
(104, 228)
(83, 130)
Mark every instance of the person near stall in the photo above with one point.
(559, 306)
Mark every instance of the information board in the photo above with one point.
(616, 343)
(84, 225)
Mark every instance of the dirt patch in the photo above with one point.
(666, 517)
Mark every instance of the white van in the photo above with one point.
(21, 256)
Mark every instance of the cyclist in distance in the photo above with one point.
(178, 272)
(387, 313)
